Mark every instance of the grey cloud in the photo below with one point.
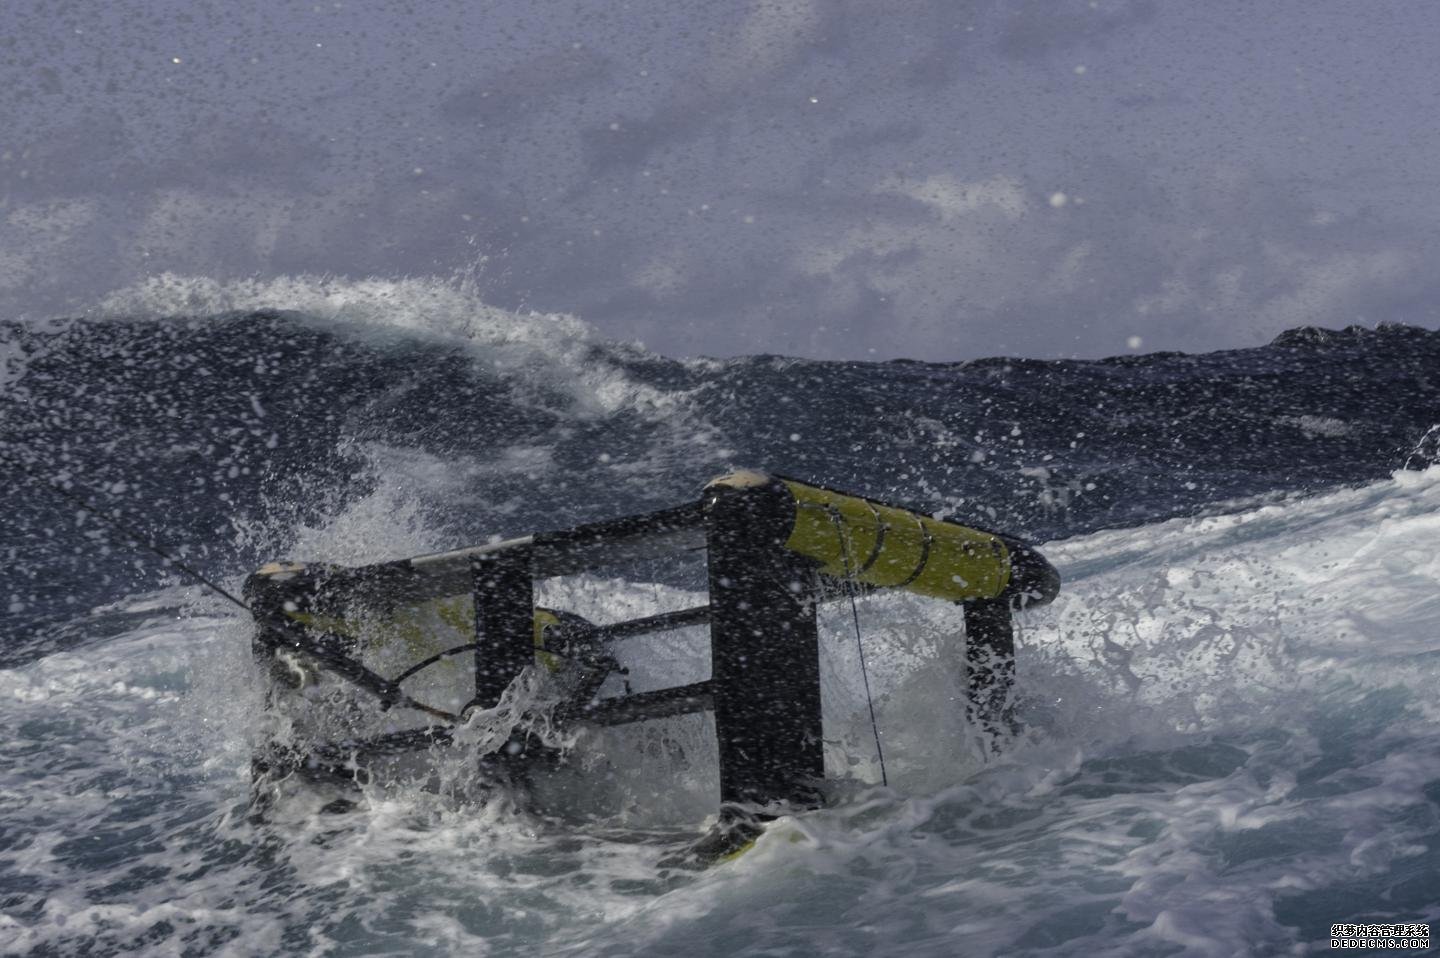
(827, 178)
(1041, 28)
(1149, 101)
(627, 143)
(883, 134)
(1033, 278)
(516, 92)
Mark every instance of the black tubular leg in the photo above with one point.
(990, 663)
(764, 662)
(504, 621)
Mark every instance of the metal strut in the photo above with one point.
(770, 545)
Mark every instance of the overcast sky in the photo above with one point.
(938, 179)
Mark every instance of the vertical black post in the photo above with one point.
(990, 663)
(764, 652)
(504, 621)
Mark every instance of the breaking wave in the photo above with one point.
(1228, 734)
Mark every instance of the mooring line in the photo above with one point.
(134, 536)
(859, 645)
(388, 691)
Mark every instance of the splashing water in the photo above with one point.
(1228, 737)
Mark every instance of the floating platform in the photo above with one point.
(434, 637)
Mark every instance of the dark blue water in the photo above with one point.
(1229, 732)
(183, 426)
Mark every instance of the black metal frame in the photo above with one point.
(764, 687)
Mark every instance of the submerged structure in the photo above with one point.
(435, 637)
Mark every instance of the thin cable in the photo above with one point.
(136, 538)
(859, 645)
(280, 628)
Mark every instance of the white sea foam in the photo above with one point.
(1231, 744)
(553, 363)
(556, 349)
